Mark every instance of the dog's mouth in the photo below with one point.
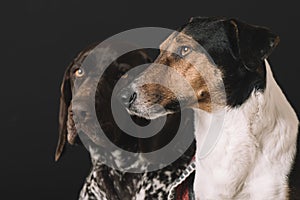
(72, 131)
(153, 111)
(83, 125)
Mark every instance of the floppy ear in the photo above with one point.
(65, 100)
(251, 44)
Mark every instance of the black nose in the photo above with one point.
(128, 97)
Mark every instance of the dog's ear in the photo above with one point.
(65, 100)
(250, 44)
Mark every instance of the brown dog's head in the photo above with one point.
(208, 63)
(75, 100)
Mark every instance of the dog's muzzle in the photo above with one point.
(80, 110)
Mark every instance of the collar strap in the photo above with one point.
(185, 174)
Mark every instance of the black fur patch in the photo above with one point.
(238, 50)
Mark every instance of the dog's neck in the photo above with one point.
(243, 141)
(262, 107)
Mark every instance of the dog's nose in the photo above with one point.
(127, 97)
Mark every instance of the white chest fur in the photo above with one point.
(254, 152)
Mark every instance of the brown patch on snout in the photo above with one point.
(159, 94)
(194, 78)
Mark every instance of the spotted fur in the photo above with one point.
(107, 183)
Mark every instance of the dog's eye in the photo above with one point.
(79, 72)
(184, 50)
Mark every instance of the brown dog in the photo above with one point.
(105, 182)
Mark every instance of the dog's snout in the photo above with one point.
(128, 97)
(79, 110)
(82, 114)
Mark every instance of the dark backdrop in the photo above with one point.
(40, 37)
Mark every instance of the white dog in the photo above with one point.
(255, 150)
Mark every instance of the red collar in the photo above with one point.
(185, 191)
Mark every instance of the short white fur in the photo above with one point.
(255, 151)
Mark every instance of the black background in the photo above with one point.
(40, 37)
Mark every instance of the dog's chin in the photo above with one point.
(86, 130)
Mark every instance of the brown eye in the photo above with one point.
(184, 50)
(79, 72)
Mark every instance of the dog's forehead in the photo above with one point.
(204, 30)
(197, 32)
(77, 62)
(176, 39)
